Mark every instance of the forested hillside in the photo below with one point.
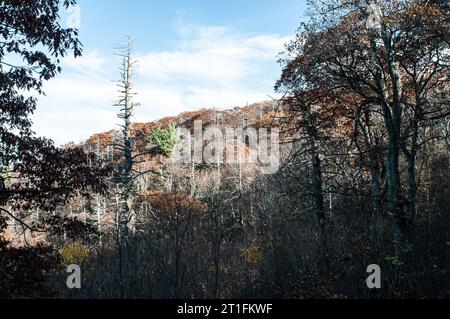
(357, 143)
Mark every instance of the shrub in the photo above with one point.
(75, 253)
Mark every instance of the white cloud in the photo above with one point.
(212, 55)
(74, 108)
(210, 67)
(89, 61)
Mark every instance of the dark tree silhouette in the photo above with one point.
(396, 66)
(35, 173)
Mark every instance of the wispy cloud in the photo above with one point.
(209, 67)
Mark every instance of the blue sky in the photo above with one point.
(191, 54)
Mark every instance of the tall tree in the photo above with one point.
(350, 50)
(125, 175)
(36, 175)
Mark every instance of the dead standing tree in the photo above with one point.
(124, 176)
(123, 145)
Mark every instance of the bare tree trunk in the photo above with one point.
(371, 142)
(376, 205)
(125, 148)
(394, 190)
(411, 157)
(318, 197)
